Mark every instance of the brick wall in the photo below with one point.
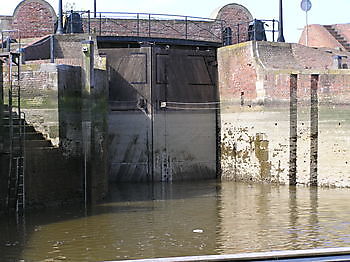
(344, 30)
(34, 18)
(255, 137)
(234, 85)
(234, 14)
(318, 36)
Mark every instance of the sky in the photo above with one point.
(322, 11)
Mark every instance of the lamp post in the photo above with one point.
(280, 25)
(59, 21)
(94, 8)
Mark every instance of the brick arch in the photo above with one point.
(34, 18)
(233, 14)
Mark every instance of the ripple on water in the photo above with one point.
(184, 219)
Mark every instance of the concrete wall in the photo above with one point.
(39, 98)
(52, 98)
(148, 142)
(265, 117)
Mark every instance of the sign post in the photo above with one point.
(306, 6)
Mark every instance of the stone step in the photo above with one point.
(30, 136)
(28, 129)
(34, 136)
(38, 143)
(15, 120)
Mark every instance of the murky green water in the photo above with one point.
(144, 221)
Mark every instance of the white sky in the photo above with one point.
(322, 12)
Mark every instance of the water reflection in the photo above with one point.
(183, 219)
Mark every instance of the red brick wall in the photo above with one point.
(318, 36)
(234, 14)
(265, 75)
(344, 30)
(197, 30)
(237, 73)
(34, 18)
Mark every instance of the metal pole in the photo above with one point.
(222, 32)
(138, 25)
(89, 22)
(52, 49)
(100, 24)
(280, 25)
(95, 9)
(273, 30)
(59, 21)
(254, 28)
(149, 25)
(71, 22)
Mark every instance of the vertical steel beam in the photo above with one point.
(293, 128)
(314, 130)
(87, 133)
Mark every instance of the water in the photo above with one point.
(144, 221)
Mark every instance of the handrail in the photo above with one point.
(170, 26)
(9, 32)
(147, 24)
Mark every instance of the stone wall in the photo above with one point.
(262, 110)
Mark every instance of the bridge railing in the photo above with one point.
(257, 29)
(144, 25)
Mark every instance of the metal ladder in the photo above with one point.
(16, 134)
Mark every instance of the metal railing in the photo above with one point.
(169, 26)
(257, 29)
(144, 25)
(7, 36)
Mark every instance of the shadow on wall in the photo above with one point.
(129, 140)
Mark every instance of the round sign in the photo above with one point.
(306, 5)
